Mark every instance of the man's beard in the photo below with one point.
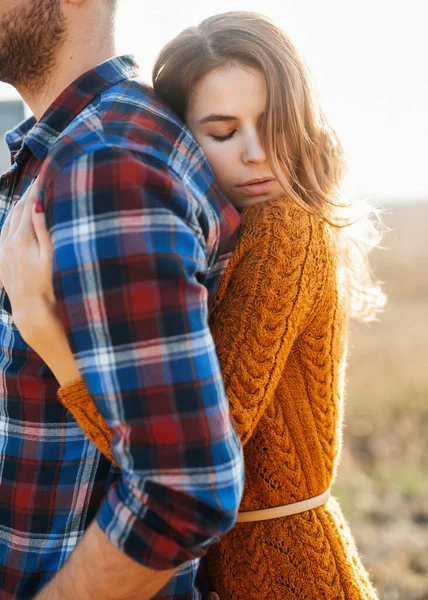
(30, 38)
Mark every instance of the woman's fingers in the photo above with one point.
(39, 224)
(5, 229)
(13, 219)
(25, 225)
(26, 257)
(10, 222)
(29, 198)
(16, 218)
(31, 190)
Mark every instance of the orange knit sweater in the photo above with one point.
(278, 322)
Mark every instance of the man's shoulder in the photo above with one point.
(129, 117)
(127, 122)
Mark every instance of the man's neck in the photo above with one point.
(70, 65)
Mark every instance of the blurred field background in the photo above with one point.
(383, 477)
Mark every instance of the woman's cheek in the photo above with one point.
(220, 155)
(219, 158)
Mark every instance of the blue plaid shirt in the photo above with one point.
(141, 235)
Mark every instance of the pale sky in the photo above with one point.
(369, 60)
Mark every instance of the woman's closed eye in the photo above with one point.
(223, 138)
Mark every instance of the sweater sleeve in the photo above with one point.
(80, 403)
(263, 302)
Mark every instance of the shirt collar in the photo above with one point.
(39, 136)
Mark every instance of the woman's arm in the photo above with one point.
(27, 278)
(54, 349)
(42, 329)
(264, 301)
(26, 274)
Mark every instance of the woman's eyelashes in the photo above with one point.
(223, 138)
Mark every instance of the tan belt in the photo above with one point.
(284, 511)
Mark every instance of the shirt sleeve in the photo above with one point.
(263, 303)
(79, 402)
(129, 262)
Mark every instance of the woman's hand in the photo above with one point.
(26, 274)
(26, 265)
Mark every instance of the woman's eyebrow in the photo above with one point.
(215, 117)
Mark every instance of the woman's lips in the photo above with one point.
(257, 188)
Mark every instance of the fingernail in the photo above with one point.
(38, 206)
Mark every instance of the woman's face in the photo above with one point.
(225, 114)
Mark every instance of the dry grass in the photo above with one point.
(383, 477)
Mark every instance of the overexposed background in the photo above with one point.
(368, 58)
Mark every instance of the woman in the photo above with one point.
(279, 317)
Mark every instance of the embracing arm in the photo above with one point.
(263, 302)
(127, 271)
(26, 273)
(97, 570)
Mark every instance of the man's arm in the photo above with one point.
(128, 266)
(98, 570)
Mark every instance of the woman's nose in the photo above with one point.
(253, 151)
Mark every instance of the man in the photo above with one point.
(137, 226)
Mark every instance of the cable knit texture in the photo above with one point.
(279, 325)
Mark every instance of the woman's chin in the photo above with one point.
(241, 203)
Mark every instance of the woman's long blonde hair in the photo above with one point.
(303, 151)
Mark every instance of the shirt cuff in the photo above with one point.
(165, 534)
